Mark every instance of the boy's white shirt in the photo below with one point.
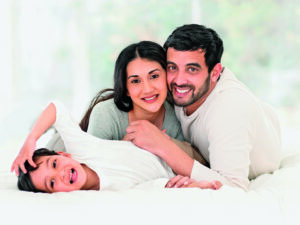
(119, 164)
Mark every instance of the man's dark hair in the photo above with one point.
(24, 179)
(192, 37)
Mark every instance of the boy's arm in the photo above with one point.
(45, 120)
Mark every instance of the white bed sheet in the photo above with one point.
(271, 199)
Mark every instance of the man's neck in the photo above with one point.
(189, 110)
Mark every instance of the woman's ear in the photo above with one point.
(65, 154)
(215, 73)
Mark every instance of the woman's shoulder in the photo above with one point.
(169, 109)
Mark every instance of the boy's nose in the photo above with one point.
(62, 174)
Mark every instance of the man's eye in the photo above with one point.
(52, 183)
(54, 163)
(192, 69)
(171, 68)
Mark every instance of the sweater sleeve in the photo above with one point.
(106, 121)
(229, 126)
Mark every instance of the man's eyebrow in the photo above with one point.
(194, 64)
(170, 62)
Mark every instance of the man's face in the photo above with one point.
(188, 78)
(58, 173)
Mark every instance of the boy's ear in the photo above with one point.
(65, 154)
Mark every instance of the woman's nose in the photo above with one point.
(147, 86)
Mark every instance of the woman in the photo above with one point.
(139, 93)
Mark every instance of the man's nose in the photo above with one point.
(179, 78)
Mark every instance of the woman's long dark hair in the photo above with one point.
(145, 50)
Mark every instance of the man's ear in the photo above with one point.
(65, 154)
(215, 73)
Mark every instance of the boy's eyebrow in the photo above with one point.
(45, 182)
(46, 187)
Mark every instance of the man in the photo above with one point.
(235, 132)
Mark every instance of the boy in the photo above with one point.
(90, 163)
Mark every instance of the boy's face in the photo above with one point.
(58, 173)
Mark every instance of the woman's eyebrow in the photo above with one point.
(132, 76)
(153, 71)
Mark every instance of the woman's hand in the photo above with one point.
(146, 136)
(186, 182)
(25, 153)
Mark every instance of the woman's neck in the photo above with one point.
(156, 118)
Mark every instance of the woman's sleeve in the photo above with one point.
(101, 123)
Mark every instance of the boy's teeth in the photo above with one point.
(71, 173)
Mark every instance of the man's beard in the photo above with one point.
(195, 96)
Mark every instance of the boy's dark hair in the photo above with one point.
(192, 37)
(24, 179)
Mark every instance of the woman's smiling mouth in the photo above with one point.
(150, 99)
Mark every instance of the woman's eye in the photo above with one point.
(135, 81)
(154, 76)
(52, 183)
(54, 163)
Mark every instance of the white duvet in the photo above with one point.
(271, 199)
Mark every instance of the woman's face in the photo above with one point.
(146, 85)
(58, 173)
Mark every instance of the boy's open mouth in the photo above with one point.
(73, 176)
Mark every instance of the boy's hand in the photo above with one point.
(186, 182)
(25, 153)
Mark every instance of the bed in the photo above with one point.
(271, 199)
